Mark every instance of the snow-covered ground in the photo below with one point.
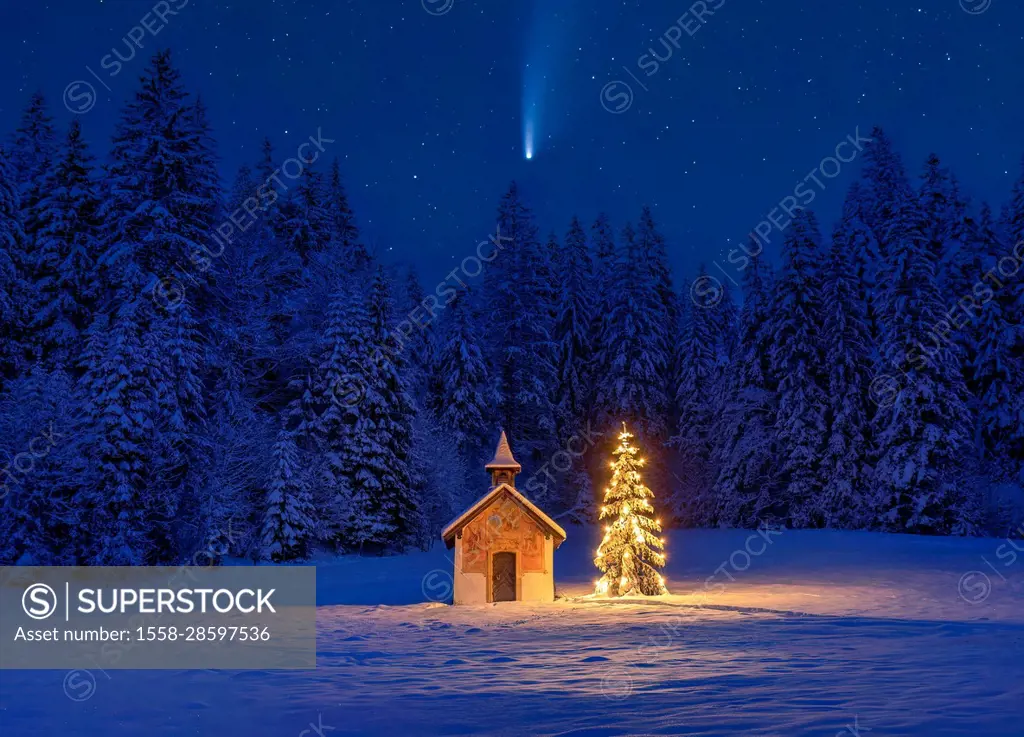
(798, 633)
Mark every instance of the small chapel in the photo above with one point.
(504, 544)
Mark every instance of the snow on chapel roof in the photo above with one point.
(448, 533)
(503, 457)
(503, 460)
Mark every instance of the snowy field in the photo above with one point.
(805, 633)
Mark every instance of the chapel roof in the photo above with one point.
(453, 527)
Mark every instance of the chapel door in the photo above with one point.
(503, 577)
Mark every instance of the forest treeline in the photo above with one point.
(188, 370)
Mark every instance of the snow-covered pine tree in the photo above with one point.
(199, 211)
(573, 362)
(12, 240)
(267, 190)
(922, 435)
(116, 499)
(846, 339)
(36, 520)
(393, 424)
(439, 475)
(34, 141)
(371, 412)
(663, 306)
(605, 260)
(796, 359)
(286, 285)
(416, 343)
(32, 151)
(247, 354)
(724, 321)
(325, 406)
(634, 386)
(520, 328)
(67, 248)
(160, 208)
(288, 522)
(1013, 230)
(980, 328)
(1013, 302)
(464, 401)
(864, 260)
(343, 223)
(997, 389)
(885, 193)
(630, 554)
(698, 373)
(744, 455)
(305, 217)
(939, 201)
(175, 351)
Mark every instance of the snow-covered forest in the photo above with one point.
(189, 371)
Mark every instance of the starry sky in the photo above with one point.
(434, 103)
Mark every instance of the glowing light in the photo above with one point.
(528, 139)
(630, 543)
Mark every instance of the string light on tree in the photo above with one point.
(630, 554)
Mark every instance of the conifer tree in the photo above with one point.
(921, 435)
(159, 208)
(384, 509)
(662, 299)
(117, 500)
(744, 455)
(605, 258)
(886, 193)
(416, 342)
(326, 403)
(36, 520)
(652, 248)
(288, 524)
(1012, 301)
(463, 403)
(343, 223)
(938, 200)
(694, 400)
(305, 218)
(32, 152)
(630, 554)
(248, 353)
(573, 362)
(520, 331)
(724, 321)
(635, 386)
(864, 259)
(12, 240)
(1013, 228)
(573, 349)
(67, 248)
(797, 361)
(847, 344)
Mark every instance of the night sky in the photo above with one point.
(431, 102)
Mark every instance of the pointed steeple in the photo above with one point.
(503, 467)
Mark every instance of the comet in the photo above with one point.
(544, 71)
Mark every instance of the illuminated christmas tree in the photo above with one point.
(630, 553)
